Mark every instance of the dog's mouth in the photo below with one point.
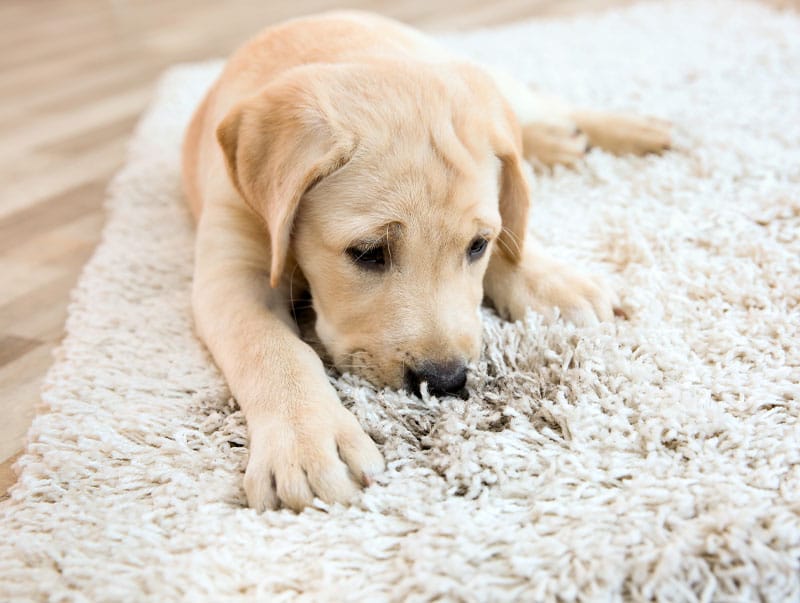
(359, 362)
(443, 378)
(362, 363)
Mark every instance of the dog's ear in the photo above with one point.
(506, 141)
(277, 145)
(514, 204)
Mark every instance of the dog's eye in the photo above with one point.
(371, 258)
(477, 249)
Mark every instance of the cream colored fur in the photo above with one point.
(345, 131)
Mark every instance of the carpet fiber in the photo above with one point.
(657, 457)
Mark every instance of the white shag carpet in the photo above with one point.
(654, 458)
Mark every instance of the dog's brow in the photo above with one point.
(376, 235)
(486, 229)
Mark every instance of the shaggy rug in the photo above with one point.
(652, 458)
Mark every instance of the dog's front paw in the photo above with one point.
(580, 298)
(320, 452)
(544, 285)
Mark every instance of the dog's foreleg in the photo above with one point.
(543, 284)
(303, 442)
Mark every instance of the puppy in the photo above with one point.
(349, 156)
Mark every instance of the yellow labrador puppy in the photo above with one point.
(349, 156)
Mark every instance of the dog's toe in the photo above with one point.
(330, 479)
(260, 487)
(293, 488)
(361, 454)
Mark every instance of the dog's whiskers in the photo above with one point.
(291, 293)
(513, 239)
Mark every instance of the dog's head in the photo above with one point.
(390, 187)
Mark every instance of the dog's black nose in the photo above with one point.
(442, 377)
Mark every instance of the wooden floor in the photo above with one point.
(74, 77)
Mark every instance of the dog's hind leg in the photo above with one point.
(553, 132)
(550, 135)
(622, 133)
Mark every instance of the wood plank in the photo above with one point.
(20, 383)
(12, 347)
(46, 325)
(50, 264)
(74, 119)
(8, 476)
(26, 183)
(92, 137)
(49, 213)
